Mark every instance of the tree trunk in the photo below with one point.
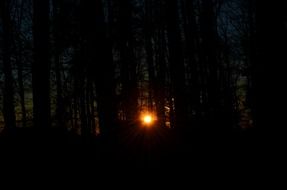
(209, 61)
(127, 61)
(160, 53)
(148, 30)
(21, 89)
(8, 104)
(41, 65)
(176, 60)
(57, 8)
(267, 69)
(192, 41)
(99, 60)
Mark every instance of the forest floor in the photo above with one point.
(140, 149)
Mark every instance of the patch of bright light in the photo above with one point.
(147, 119)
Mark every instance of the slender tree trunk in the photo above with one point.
(20, 65)
(209, 60)
(99, 60)
(57, 8)
(88, 103)
(267, 69)
(8, 104)
(127, 61)
(21, 89)
(75, 109)
(176, 63)
(192, 38)
(107, 108)
(59, 89)
(160, 84)
(83, 111)
(148, 30)
(161, 81)
(41, 65)
(92, 109)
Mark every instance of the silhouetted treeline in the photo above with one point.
(93, 66)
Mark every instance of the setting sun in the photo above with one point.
(147, 119)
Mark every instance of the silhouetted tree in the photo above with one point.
(176, 61)
(127, 60)
(194, 74)
(209, 63)
(267, 76)
(8, 108)
(58, 45)
(97, 51)
(19, 44)
(41, 64)
(156, 40)
(105, 73)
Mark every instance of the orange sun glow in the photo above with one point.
(147, 119)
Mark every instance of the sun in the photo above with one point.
(147, 119)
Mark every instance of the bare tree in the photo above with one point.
(176, 60)
(9, 109)
(41, 64)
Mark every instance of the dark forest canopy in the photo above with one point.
(94, 66)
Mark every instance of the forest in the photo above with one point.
(142, 81)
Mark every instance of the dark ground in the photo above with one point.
(159, 152)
